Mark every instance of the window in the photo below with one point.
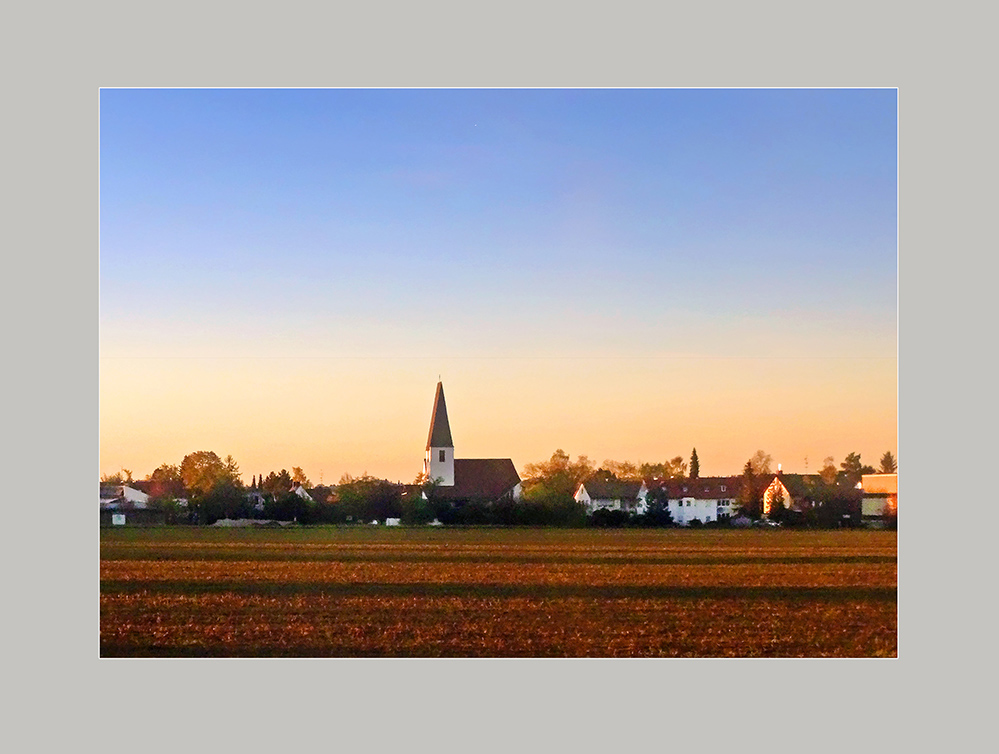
(442, 455)
(688, 503)
(723, 488)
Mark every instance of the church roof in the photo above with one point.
(440, 430)
(480, 479)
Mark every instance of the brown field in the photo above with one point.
(367, 592)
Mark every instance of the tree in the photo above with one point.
(657, 508)
(852, 470)
(276, 485)
(119, 477)
(225, 500)
(761, 462)
(203, 471)
(548, 489)
(828, 470)
(695, 465)
(890, 512)
(298, 476)
(415, 502)
(671, 469)
(750, 495)
(214, 486)
(366, 498)
(166, 482)
(558, 475)
(622, 470)
(888, 463)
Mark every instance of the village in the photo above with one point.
(207, 490)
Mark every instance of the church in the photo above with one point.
(463, 480)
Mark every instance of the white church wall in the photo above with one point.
(438, 469)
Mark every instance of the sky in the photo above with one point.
(625, 274)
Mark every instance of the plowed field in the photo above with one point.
(366, 592)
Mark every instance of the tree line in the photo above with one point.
(213, 488)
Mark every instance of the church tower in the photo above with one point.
(439, 463)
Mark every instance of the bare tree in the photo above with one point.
(829, 470)
(761, 463)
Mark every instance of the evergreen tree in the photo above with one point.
(750, 495)
(695, 466)
(851, 469)
(888, 463)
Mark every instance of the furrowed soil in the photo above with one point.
(422, 592)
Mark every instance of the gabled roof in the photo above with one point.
(440, 430)
(702, 488)
(480, 479)
(799, 486)
(611, 490)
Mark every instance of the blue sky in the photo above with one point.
(455, 224)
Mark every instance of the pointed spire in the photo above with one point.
(440, 430)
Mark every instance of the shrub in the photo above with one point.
(607, 518)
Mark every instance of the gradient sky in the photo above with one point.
(624, 274)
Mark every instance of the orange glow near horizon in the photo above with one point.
(336, 416)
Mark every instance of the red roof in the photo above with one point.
(702, 488)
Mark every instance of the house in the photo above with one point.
(122, 496)
(776, 493)
(464, 480)
(705, 499)
(255, 498)
(611, 494)
(258, 499)
(880, 497)
(122, 504)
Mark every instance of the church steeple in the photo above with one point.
(439, 463)
(440, 430)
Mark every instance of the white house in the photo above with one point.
(704, 498)
(612, 495)
(880, 496)
(123, 496)
(299, 490)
